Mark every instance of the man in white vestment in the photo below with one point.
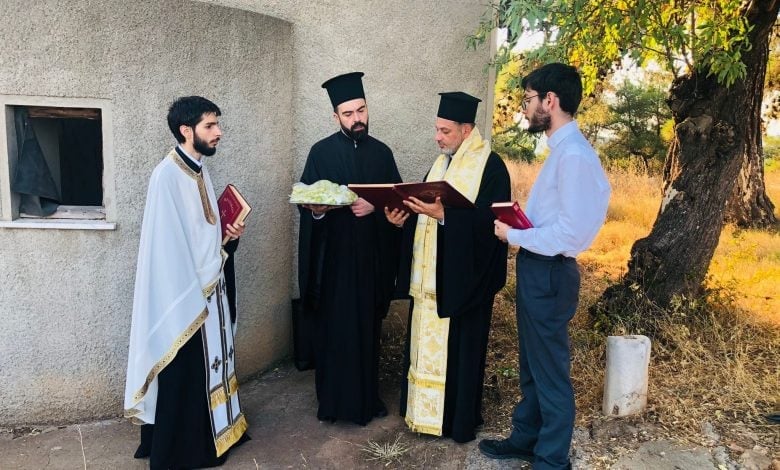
(181, 383)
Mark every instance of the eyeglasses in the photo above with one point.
(527, 100)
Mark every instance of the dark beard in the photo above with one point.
(356, 135)
(539, 122)
(202, 147)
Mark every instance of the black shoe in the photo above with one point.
(503, 449)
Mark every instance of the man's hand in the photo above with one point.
(235, 230)
(361, 207)
(397, 217)
(434, 210)
(501, 230)
(319, 209)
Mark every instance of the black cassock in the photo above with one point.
(347, 268)
(470, 270)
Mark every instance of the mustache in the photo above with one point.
(356, 125)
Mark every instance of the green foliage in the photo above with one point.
(771, 152)
(515, 145)
(508, 94)
(772, 79)
(636, 119)
(594, 117)
(509, 140)
(594, 35)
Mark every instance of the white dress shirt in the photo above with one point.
(568, 201)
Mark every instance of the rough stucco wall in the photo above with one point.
(67, 295)
(409, 50)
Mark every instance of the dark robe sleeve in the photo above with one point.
(403, 278)
(389, 240)
(311, 246)
(311, 240)
(470, 259)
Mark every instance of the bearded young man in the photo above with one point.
(347, 260)
(452, 266)
(567, 205)
(181, 383)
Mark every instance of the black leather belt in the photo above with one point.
(530, 254)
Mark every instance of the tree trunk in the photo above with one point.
(713, 131)
(749, 205)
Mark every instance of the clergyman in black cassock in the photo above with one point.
(452, 266)
(347, 262)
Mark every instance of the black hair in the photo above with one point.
(561, 79)
(189, 111)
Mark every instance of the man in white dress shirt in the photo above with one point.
(568, 206)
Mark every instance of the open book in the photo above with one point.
(511, 214)
(232, 208)
(392, 195)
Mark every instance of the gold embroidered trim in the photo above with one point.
(173, 155)
(209, 289)
(208, 212)
(233, 385)
(423, 428)
(218, 397)
(423, 295)
(167, 358)
(231, 435)
(204, 199)
(425, 382)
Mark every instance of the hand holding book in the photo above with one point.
(434, 210)
(233, 210)
(511, 214)
(392, 195)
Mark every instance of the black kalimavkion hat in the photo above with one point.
(344, 88)
(458, 106)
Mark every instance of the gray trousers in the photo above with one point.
(547, 295)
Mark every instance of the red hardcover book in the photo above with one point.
(511, 214)
(428, 191)
(232, 208)
(380, 195)
(392, 195)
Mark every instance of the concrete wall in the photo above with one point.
(66, 297)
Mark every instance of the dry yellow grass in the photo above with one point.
(716, 359)
(747, 262)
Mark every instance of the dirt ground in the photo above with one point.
(280, 406)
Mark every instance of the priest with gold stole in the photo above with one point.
(181, 379)
(452, 267)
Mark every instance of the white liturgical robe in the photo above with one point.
(179, 289)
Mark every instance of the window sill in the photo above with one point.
(59, 224)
